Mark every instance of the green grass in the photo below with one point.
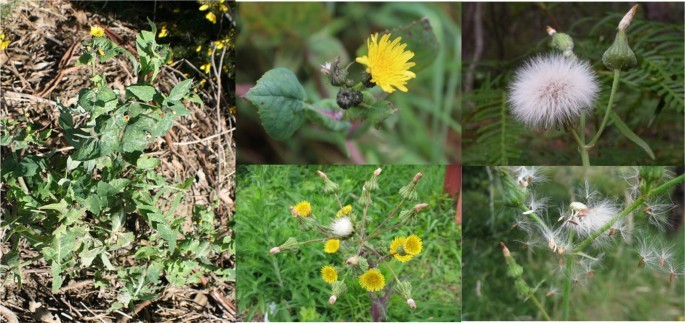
(288, 285)
(618, 291)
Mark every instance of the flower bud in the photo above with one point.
(275, 250)
(365, 199)
(348, 98)
(332, 299)
(366, 80)
(619, 55)
(289, 245)
(419, 207)
(418, 177)
(377, 171)
(411, 303)
(561, 41)
(329, 186)
(338, 288)
(337, 75)
(353, 261)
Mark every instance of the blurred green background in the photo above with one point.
(288, 286)
(500, 37)
(618, 291)
(303, 36)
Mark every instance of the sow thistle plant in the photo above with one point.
(390, 63)
(77, 210)
(559, 89)
(589, 227)
(351, 233)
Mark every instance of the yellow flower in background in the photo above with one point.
(205, 68)
(223, 8)
(344, 211)
(372, 280)
(211, 17)
(329, 274)
(97, 31)
(4, 42)
(388, 63)
(303, 208)
(398, 251)
(413, 245)
(101, 52)
(198, 49)
(219, 44)
(204, 7)
(331, 246)
(163, 32)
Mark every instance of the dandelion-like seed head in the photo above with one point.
(329, 274)
(331, 246)
(97, 31)
(528, 175)
(388, 63)
(342, 227)
(372, 280)
(398, 251)
(658, 214)
(646, 249)
(303, 209)
(586, 220)
(413, 245)
(552, 91)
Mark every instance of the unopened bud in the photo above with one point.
(366, 80)
(377, 171)
(561, 41)
(550, 293)
(550, 31)
(411, 303)
(348, 98)
(321, 174)
(625, 22)
(419, 207)
(417, 177)
(505, 250)
(332, 299)
(352, 261)
(275, 250)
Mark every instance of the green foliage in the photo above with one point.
(649, 100)
(104, 208)
(288, 287)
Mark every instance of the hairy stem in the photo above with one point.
(614, 86)
(629, 210)
(540, 308)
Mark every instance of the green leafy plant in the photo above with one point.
(282, 101)
(104, 208)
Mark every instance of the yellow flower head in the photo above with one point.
(345, 211)
(398, 251)
(4, 42)
(413, 245)
(223, 8)
(372, 280)
(211, 17)
(388, 63)
(204, 7)
(331, 246)
(164, 32)
(101, 52)
(329, 274)
(205, 68)
(97, 31)
(303, 209)
(219, 44)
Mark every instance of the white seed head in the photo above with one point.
(528, 175)
(577, 206)
(342, 227)
(552, 91)
(658, 213)
(586, 220)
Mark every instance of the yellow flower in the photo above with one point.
(204, 7)
(4, 42)
(413, 245)
(329, 274)
(344, 211)
(303, 208)
(223, 8)
(388, 63)
(163, 33)
(372, 280)
(101, 52)
(397, 249)
(205, 68)
(198, 49)
(97, 31)
(211, 17)
(219, 45)
(331, 246)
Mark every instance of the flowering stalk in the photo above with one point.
(567, 284)
(614, 86)
(630, 209)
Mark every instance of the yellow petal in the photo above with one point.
(204, 7)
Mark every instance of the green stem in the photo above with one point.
(539, 306)
(534, 217)
(567, 284)
(629, 210)
(581, 147)
(614, 86)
